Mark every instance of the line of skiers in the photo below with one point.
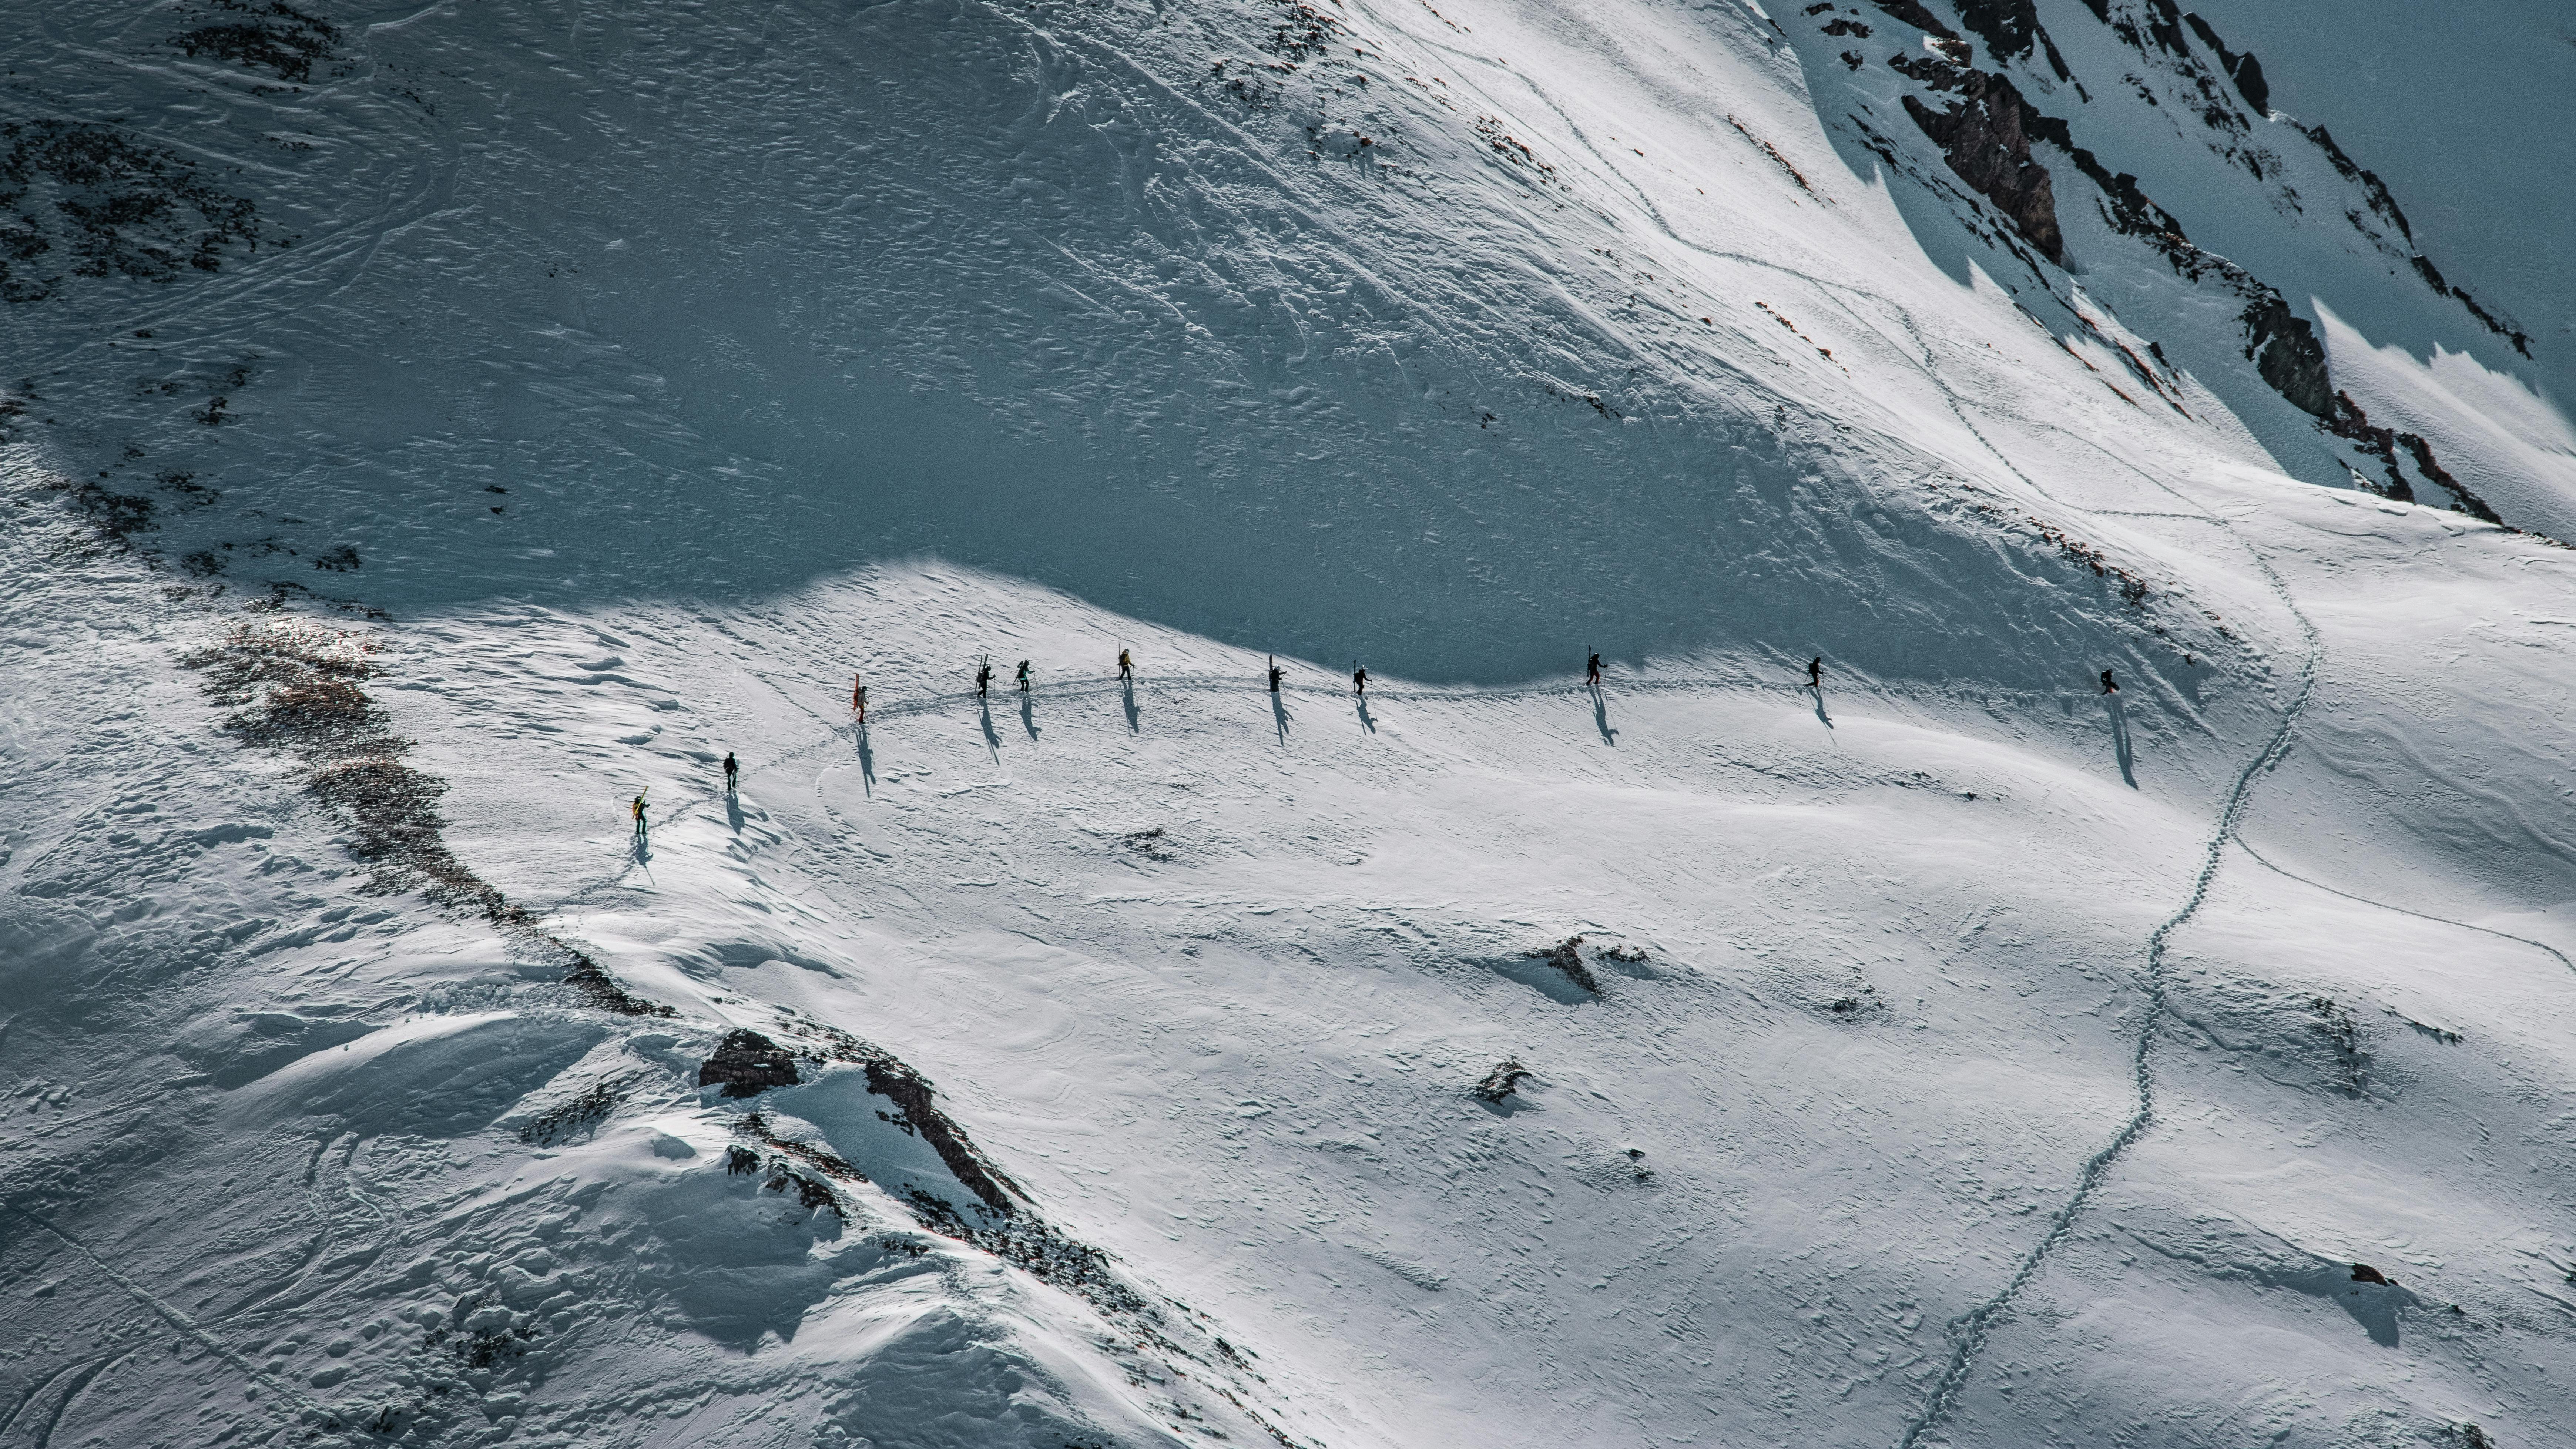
(1127, 673)
(1359, 678)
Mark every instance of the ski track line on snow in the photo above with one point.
(1970, 1329)
(2401, 910)
(1098, 685)
(351, 249)
(84, 1374)
(176, 1319)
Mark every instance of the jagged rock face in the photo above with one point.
(1913, 13)
(2244, 69)
(2285, 350)
(915, 1113)
(747, 1064)
(2008, 27)
(1985, 136)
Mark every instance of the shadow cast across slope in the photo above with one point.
(913, 282)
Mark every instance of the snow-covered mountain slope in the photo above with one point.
(428, 428)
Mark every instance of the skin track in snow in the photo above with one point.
(1700, 1059)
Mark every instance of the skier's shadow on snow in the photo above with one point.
(733, 812)
(867, 765)
(2119, 713)
(1028, 717)
(992, 741)
(1127, 702)
(1367, 719)
(1827, 719)
(1279, 717)
(1601, 718)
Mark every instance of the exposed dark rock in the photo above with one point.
(2164, 25)
(1852, 28)
(2470, 503)
(2165, 30)
(2376, 193)
(117, 517)
(2350, 423)
(264, 35)
(85, 200)
(1986, 139)
(916, 1113)
(2364, 1273)
(747, 1064)
(582, 973)
(1567, 956)
(580, 1113)
(2248, 75)
(1028, 1242)
(2372, 188)
(2244, 69)
(300, 691)
(2008, 27)
(755, 1126)
(2433, 276)
(1503, 1080)
(811, 1192)
(1777, 160)
(1913, 13)
(1021, 1238)
(2131, 211)
(2284, 349)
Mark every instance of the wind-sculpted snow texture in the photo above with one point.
(424, 431)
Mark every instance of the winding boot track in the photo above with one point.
(1969, 1330)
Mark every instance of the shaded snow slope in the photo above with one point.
(427, 429)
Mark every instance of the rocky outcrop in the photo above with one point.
(2244, 69)
(299, 690)
(746, 1064)
(1985, 136)
(2009, 28)
(1503, 1081)
(2283, 347)
(89, 199)
(1567, 956)
(1913, 13)
(914, 1113)
(2164, 31)
(2348, 422)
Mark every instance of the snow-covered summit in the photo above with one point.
(430, 431)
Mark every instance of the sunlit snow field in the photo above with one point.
(1954, 1054)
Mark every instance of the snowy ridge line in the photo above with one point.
(176, 1319)
(1971, 1328)
(2401, 910)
